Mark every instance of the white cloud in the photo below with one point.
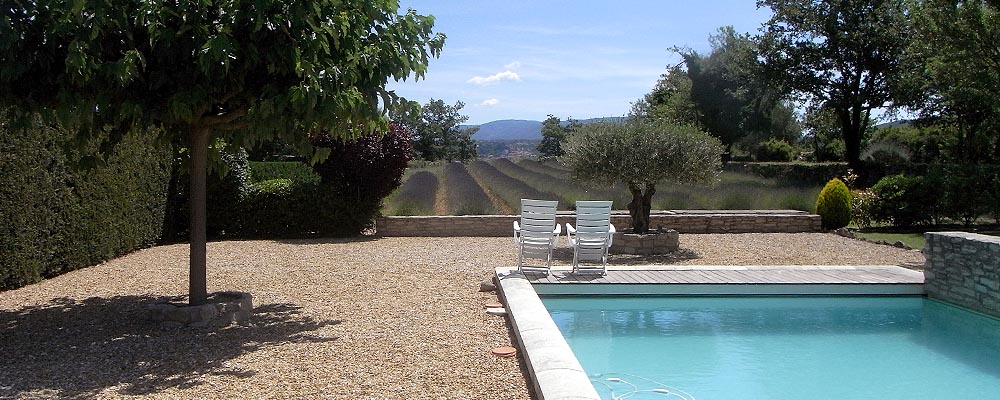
(513, 65)
(507, 75)
(489, 102)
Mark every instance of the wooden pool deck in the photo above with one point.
(707, 279)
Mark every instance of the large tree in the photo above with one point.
(641, 154)
(844, 55)
(957, 58)
(553, 135)
(724, 92)
(234, 71)
(438, 134)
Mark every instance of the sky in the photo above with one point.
(520, 59)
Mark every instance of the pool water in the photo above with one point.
(782, 347)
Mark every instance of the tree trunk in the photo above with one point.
(640, 206)
(851, 126)
(198, 145)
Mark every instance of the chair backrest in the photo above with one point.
(593, 216)
(538, 216)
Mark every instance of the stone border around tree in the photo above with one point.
(223, 309)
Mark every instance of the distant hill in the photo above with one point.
(894, 124)
(519, 129)
(509, 129)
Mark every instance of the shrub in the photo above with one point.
(298, 172)
(965, 187)
(903, 200)
(355, 179)
(774, 150)
(834, 204)
(59, 216)
(798, 173)
(366, 169)
(863, 203)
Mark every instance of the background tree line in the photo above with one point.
(810, 80)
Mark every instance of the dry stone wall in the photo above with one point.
(683, 222)
(964, 268)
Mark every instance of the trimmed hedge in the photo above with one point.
(224, 198)
(296, 171)
(820, 173)
(343, 199)
(59, 216)
(799, 173)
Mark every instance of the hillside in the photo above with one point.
(519, 129)
(509, 129)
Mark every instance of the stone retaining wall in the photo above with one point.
(683, 222)
(964, 268)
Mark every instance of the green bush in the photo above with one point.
(863, 203)
(64, 210)
(834, 204)
(904, 200)
(774, 150)
(797, 172)
(965, 190)
(296, 171)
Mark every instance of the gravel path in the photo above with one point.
(359, 318)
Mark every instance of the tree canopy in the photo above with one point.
(724, 92)
(957, 74)
(844, 55)
(438, 135)
(243, 72)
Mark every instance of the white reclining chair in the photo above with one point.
(592, 235)
(536, 234)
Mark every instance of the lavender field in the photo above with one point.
(496, 186)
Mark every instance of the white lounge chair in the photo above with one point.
(536, 234)
(592, 235)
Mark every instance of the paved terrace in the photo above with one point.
(692, 279)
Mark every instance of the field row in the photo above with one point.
(496, 187)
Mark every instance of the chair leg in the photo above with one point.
(520, 257)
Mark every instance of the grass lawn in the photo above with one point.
(914, 240)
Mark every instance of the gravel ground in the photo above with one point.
(357, 318)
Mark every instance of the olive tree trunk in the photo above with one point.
(198, 145)
(639, 208)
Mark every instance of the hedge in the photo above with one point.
(820, 173)
(59, 216)
(296, 171)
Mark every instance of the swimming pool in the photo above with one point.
(782, 347)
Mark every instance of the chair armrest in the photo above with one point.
(557, 231)
(612, 229)
(569, 229)
(611, 234)
(517, 230)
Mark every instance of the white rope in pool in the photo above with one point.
(613, 381)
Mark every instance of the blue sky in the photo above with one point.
(519, 59)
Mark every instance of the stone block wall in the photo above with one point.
(683, 222)
(964, 269)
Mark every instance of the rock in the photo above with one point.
(900, 244)
(487, 286)
(845, 232)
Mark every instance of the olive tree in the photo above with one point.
(240, 72)
(642, 154)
